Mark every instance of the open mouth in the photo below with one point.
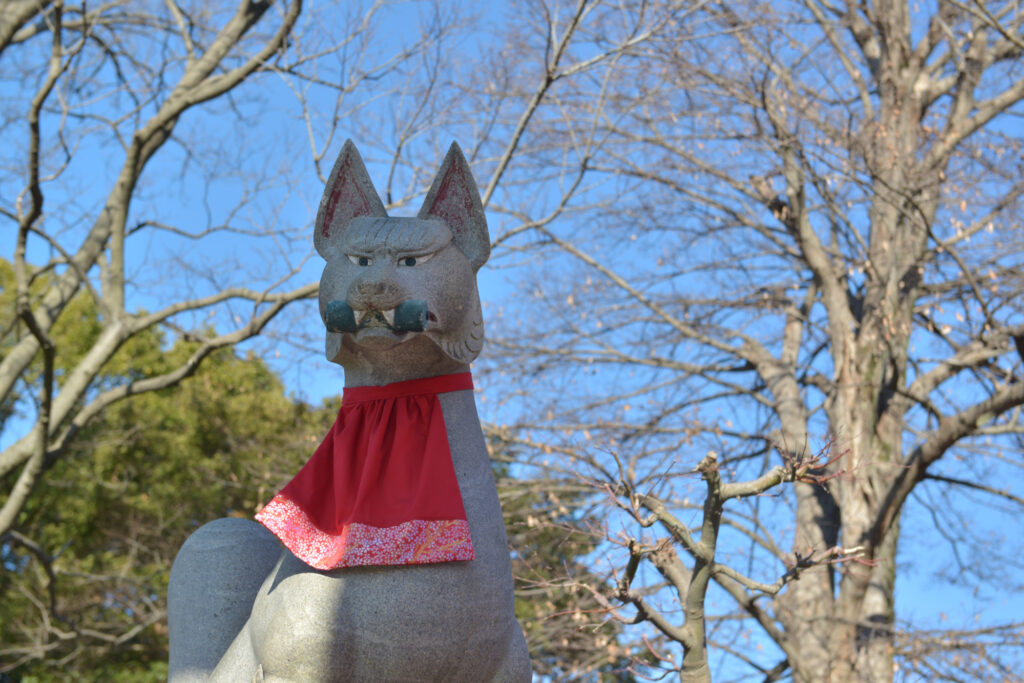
(409, 316)
(375, 318)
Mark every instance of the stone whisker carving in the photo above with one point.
(396, 564)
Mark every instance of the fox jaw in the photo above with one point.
(390, 281)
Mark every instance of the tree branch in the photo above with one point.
(951, 429)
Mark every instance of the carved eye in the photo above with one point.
(411, 261)
(360, 260)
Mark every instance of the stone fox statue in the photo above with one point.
(375, 581)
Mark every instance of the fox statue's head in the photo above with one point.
(398, 295)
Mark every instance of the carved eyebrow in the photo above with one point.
(400, 235)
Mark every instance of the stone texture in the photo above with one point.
(241, 612)
(214, 580)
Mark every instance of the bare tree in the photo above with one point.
(787, 232)
(147, 179)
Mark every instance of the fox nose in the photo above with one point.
(374, 292)
(368, 288)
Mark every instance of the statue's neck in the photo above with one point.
(381, 376)
(417, 358)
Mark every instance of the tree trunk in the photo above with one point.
(807, 607)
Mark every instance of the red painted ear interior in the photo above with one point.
(454, 198)
(345, 198)
(349, 193)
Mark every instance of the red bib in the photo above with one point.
(381, 488)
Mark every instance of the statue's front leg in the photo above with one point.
(214, 580)
(240, 663)
(288, 636)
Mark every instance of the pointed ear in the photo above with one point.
(349, 193)
(454, 198)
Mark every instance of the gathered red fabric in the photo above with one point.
(381, 488)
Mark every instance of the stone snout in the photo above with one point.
(410, 315)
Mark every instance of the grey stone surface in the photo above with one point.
(439, 622)
(213, 583)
